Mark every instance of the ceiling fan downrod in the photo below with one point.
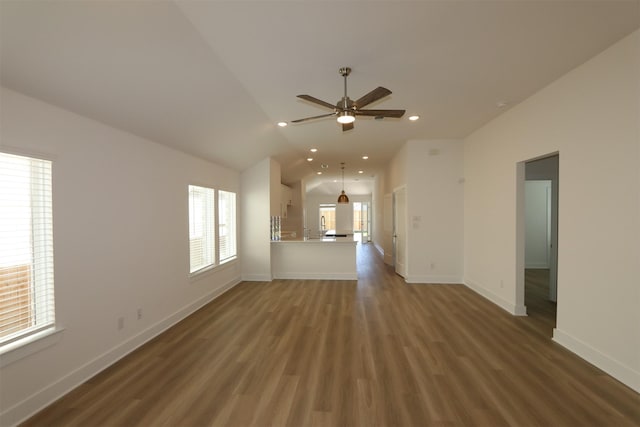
(344, 72)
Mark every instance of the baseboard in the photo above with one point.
(317, 276)
(499, 301)
(379, 249)
(38, 401)
(436, 280)
(617, 370)
(256, 278)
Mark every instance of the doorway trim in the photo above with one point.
(520, 307)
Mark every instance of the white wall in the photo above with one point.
(435, 206)
(537, 217)
(377, 213)
(591, 117)
(257, 208)
(120, 243)
(432, 171)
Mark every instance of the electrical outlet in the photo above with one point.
(139, 313)
(120, 323)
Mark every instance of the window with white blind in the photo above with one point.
(226, 225)
(26, 247)
(201, 228)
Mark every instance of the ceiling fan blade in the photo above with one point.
(347, 126)
(374, 95)
(313, 118)
(382, 113)
(317, 101)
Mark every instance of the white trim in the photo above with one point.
(317, 276)
(379, 249)
(29, 345)
(434, 280)
(499, 301)
(625, 374)
(256, 277)
(537, 266)
(37, 401)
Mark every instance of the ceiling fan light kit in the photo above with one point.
(346, 110)
(346, 117)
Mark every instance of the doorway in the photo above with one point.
(400, 231)
(361, 222)
(538, 239)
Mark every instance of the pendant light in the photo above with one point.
(342, 198)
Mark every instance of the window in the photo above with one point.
(26, 247)
(226, 225)
(204, 219)
(201, 228)
(327, 217)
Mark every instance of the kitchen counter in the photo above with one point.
(329, 258)
(318, 240)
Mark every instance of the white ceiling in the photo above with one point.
(212, 78)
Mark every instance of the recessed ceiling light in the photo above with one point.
(282, 124)
(309, 159)
(360, 171)
(319, 173)
(414, 118)
(313, 150)
(365, 157)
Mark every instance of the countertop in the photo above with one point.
(319, 240)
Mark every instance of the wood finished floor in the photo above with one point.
(376, 352)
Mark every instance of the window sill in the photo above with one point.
(29, 345)
(199, 274)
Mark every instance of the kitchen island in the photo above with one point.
(329, 258)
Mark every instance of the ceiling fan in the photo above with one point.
(346, 110)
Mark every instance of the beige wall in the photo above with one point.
(591, 116)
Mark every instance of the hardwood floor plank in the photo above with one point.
(371, 352)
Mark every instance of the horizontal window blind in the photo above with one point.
(26, 247)
(201, 227)
(227, 224)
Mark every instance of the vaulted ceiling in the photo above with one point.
(212, 78)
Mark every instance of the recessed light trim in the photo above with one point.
(282, 124)
(414, 118)
(365, 157)
(360, 171)
(309, 159)
(313, 150)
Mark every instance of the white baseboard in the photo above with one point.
(379, 249)
(499, 301)
(38, 401)
(625, 374)
(256, 278)
(436, 280)
(316, 276)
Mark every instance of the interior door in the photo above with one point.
(400, 231)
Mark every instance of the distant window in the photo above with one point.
(201, 228)
(327, 217)
(26, 247)
(226, 225)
